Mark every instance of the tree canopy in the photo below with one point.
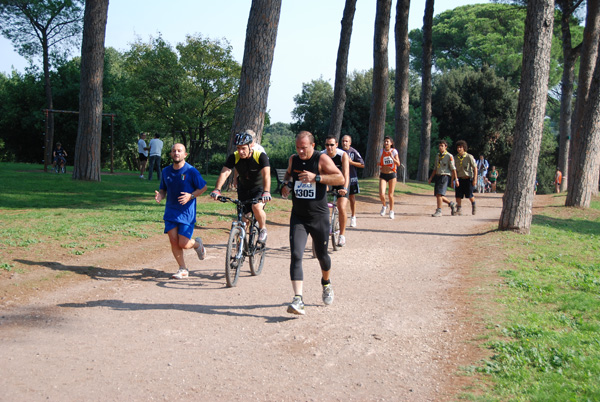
(484, 35)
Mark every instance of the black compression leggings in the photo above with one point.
(318, 228)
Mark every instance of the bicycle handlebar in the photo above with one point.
(223, 198)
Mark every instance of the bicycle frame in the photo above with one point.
(240, 221)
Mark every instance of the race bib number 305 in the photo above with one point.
(305, 190)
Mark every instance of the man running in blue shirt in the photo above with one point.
(181, 183)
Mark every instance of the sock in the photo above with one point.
(300, 296)
(325, 282)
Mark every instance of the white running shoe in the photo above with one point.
(383, 209)
(391, 214)
(327, 294)
(296, 307)
(342, 241)
(181, 274)
(353, 222)
(201, 251)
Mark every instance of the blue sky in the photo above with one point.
(307, 40)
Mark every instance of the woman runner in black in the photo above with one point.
(307, 177)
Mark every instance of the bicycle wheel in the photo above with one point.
(233, 264)
(257, 252)
(335, 229)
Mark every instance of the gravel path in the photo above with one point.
(398, 329)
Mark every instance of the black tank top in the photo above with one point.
(308, 199)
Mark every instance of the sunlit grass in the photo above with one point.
(546, 341)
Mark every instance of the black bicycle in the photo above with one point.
(243, 243)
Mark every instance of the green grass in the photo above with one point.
(43, 207)
(546, 342)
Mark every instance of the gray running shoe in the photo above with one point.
(473, 208)
(182, 273)
(201, 251)
(438, 212)
(262, 236)
(297, 306)
(453, 208)
(327, 294)
(459, 210)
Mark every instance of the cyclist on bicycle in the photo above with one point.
(254, 179)
(59, 155)
(342, 162)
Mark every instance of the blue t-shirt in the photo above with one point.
(174, 182)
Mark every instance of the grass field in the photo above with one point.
(544, 325)
(544, 322)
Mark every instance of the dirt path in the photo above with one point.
(394, 332)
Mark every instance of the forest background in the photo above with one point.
(187, 93)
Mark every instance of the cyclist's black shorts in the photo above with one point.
(245, 195)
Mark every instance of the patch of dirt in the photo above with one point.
(409, 310)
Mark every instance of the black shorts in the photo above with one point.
(464, 189)
(388, 176)
(245, 195)
(354, 189)
(143, 158)
(441, 184)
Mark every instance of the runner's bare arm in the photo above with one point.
(266, 175)
(285, 191)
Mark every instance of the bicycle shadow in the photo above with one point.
(226, 310)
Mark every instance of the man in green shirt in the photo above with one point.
(466, 171)
(444, 171)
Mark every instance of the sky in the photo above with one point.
(307, 39)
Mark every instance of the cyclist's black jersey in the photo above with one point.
(249, 169)
(308, 199)
(59, 152)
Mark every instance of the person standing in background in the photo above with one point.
(154, 160)
(143, 153)
(356, 161)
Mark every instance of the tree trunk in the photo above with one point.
(261, 34)
(585, 162)
(586, 148)
(49, 146)
(380, 87)
(518, 198)
(402, 113)
(589, 53)
(89, 131)
(341, 70)
(570, 56)
(425, 148)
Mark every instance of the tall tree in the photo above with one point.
(42, 27)
(380, 86)
(518, 198)
(402, 110)
(583, 174)
(341, 70)
(425, 149)
(570, 54)
(89, 132)
(261, 35)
